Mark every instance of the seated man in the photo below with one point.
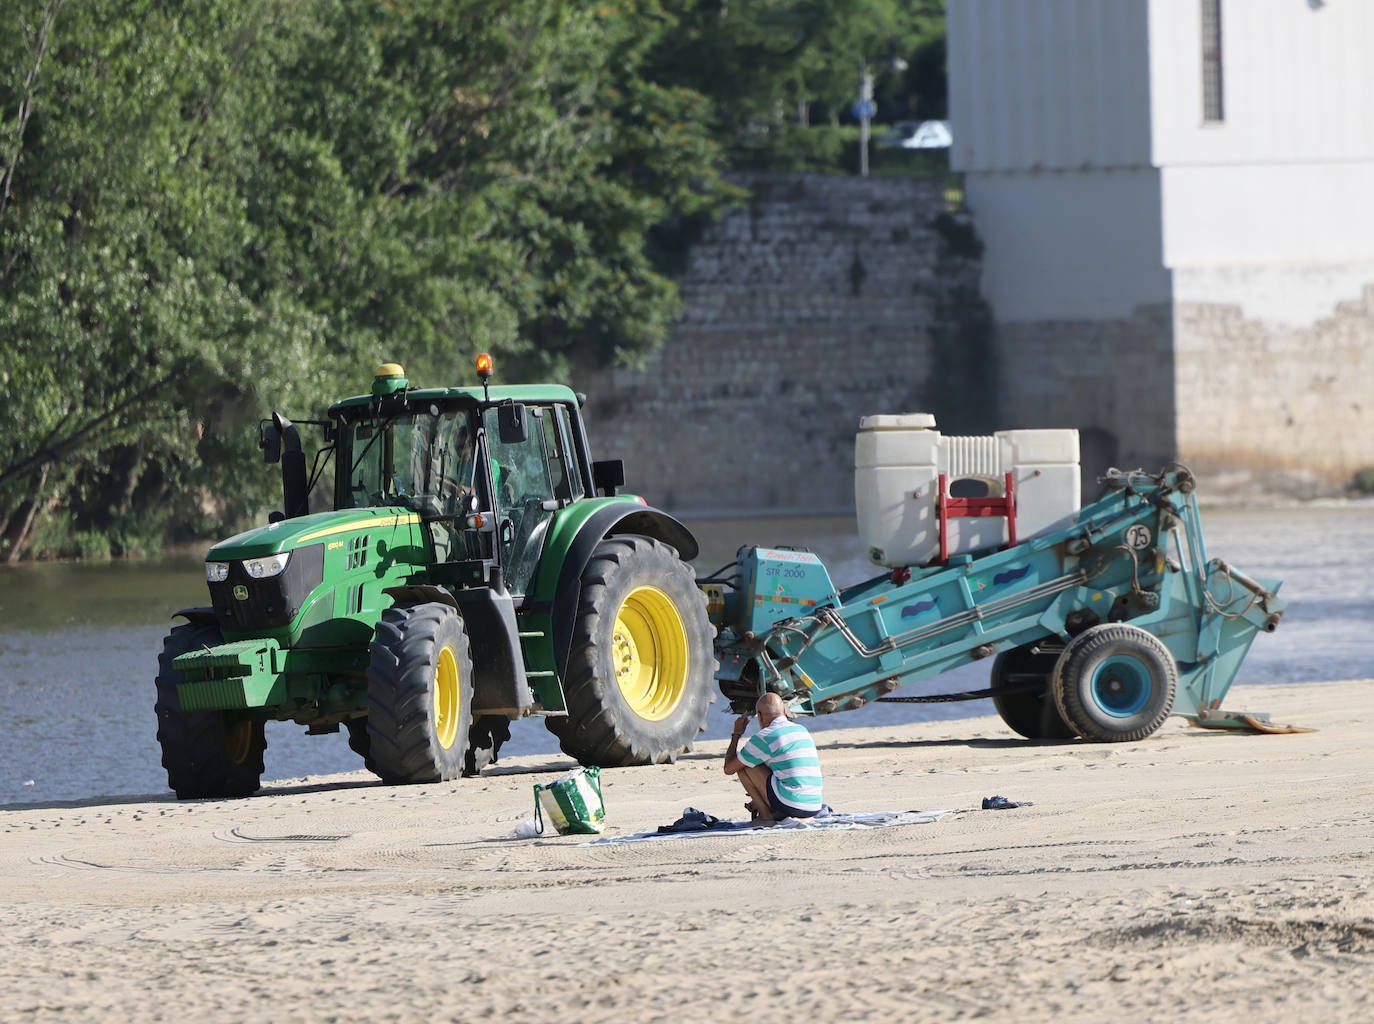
(778, 767)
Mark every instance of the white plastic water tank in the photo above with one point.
(897, 465)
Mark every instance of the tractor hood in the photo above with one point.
(321, 527)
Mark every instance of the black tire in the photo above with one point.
(1034, 713)
(1115, 683)
(641, 672)
(206, 753)
(359, 741)
(419, 695)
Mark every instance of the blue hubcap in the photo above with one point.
(1121, 686)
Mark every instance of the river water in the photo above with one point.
(79, 646)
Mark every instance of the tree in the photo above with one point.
(221, 207)
(765, 63)
(115, 312)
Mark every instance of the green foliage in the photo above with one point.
(213, 208)
(765, 63)
(833, 149)
(52, 537)
(886, 161)
(819, 149)
(89, 544)
(1363, 481)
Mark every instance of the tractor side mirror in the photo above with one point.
(609, 475)
(512, 427)
(269, 440)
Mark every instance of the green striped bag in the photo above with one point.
(573, 803)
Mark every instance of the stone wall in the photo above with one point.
(1270, 406)
(1258, 406)
(818, 301)
(821, 300)
(1111, 379)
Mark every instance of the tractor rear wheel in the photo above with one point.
(206, 753)
(1115, 683)
(419, 695)
(641, 673)
(1031, 713)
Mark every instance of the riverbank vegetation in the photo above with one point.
(210, 209)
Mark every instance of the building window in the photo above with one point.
(1212, 110)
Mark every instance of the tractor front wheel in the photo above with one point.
(359, 741)
(1115, 683)
(641, 672)
(1031, 713)
(206, 753)
(419, 695)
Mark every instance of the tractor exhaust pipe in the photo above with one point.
(282, 441)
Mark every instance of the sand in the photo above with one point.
(1193, 876)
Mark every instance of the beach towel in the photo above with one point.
(698, 823)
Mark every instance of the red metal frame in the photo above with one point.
(975, 508)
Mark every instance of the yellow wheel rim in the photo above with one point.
(238, 740)
(649, 653)
(448, 698)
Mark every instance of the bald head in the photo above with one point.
(769, 707)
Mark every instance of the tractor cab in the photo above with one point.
(485, 473)
(423, 460)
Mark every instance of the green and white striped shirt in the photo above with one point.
(788, 752)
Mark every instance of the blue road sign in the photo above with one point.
(864, 109)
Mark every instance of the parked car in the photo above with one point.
(917, 135)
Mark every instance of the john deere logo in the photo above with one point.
(240, 593)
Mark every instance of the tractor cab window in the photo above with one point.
(563, 468)
(417, 461)
(449, 473)
(525, 496)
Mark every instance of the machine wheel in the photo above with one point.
(1034, 713)
(1115, 683)
(641, 672)
(206, 753)
(419, 695)
(359, 741)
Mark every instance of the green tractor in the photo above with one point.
(476, 568)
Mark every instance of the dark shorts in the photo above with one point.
(780, 808)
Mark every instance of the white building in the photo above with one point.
(1177, 203)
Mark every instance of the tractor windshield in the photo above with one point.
(415, 460)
